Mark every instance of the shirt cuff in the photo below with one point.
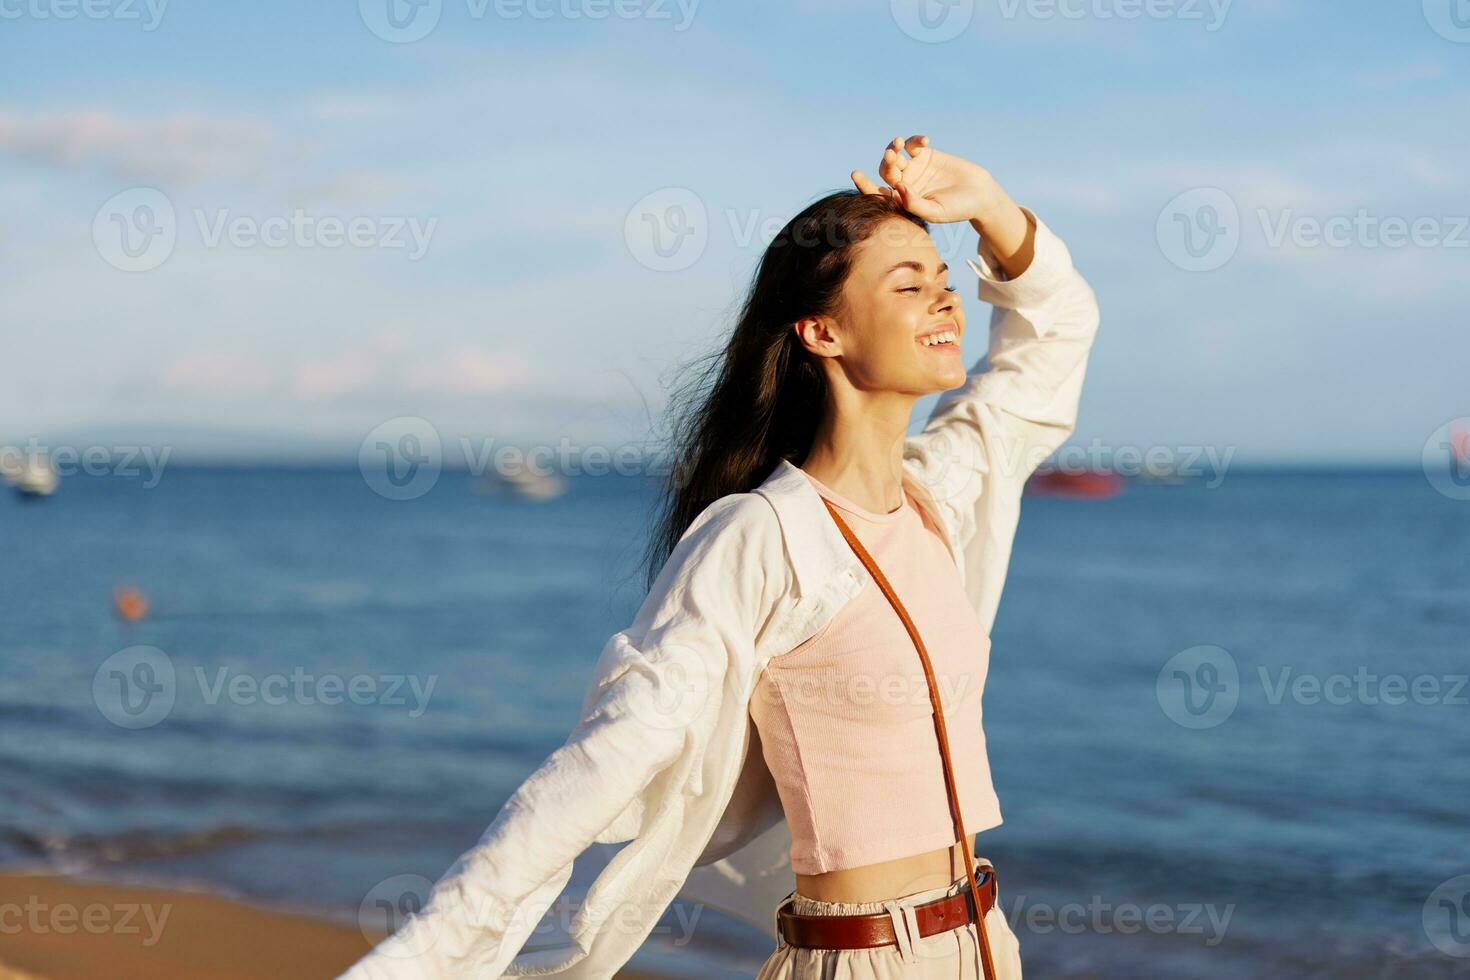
(1051, 265)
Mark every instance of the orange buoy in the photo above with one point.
(132, 604)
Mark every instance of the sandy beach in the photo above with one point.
(57, 928)
(54, 928)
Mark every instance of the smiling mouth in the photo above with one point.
(947, 339)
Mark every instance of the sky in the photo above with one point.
(272, 227)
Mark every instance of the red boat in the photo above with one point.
(1093, 484)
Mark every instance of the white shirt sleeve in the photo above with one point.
(648, 712)
(1019, 401)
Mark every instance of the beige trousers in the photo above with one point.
(950, 955)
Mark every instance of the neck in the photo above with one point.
(858, 449)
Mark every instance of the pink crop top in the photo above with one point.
(845, 720)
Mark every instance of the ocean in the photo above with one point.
(1228, 724)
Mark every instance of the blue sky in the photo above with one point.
(518, 146)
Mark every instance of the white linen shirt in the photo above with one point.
(666, 759)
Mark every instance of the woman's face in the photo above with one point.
(901, 326)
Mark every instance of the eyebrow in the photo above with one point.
(916, 266)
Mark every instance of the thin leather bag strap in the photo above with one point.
(949, 781)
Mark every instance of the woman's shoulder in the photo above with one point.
(738, 538)
(744, 512)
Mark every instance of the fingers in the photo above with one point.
(917, 172)
(866, 185)
(895, 165)
(891, 167)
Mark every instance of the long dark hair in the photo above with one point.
(761, 398)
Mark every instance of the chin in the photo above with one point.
(950, 379)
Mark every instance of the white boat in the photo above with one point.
(526, 484)
(31, 477)
(536, 486)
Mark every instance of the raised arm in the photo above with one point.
(648, 711)
(1019, 401)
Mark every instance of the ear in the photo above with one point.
(816, 335)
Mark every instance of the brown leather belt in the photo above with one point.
(866, 930)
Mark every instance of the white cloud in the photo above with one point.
(471, 370)
(387, 367)
(175, 148)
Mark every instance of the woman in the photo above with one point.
(797, 498)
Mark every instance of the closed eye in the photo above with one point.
(915, 289)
